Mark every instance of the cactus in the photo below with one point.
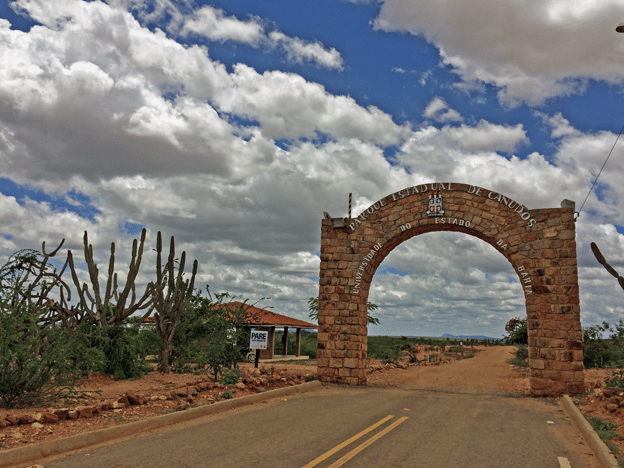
(171, 295)
(604, 263)
(99, 307)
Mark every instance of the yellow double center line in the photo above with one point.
(360, 447)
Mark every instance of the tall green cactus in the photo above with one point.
(100, 307)
(604, 263)
(171, 295)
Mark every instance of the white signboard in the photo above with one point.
(258, 339)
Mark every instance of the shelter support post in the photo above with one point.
(285, 342)
(298, 339)
(271, 342)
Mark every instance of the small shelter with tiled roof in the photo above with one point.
(266, 320)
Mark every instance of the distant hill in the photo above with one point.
(467, 337)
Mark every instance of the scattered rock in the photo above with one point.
(181, 407)
(61, 413)
(26, 419)
(240, 386)
(104, 406)
(12, 419)
(72, 414)
(616, 399)
(37, 425)
(135, 398)
(4, 423)
(124, 399)
(86, 411)
(117, 405)
(49, 417)
(611, 407)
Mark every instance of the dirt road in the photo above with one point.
(488, 370)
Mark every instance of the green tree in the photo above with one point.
(517, 331)
(214, 332)
(33, 364)
(313, 305)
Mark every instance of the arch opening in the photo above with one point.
(445, 283)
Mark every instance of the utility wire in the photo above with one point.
(578, 213)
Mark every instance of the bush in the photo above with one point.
(33, 366)
(125, 355)
(112, 350)
(604, 352)
(389, 354)
(521, 357)
(616, 379)
(412, 351)
(210, 333)
(83, 351)
(231, 377)
(150, 341)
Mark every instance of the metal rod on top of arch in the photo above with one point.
(350, 205)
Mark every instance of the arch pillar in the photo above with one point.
(539, 243)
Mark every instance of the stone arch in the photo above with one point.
(539, 243)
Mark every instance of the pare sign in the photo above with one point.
(258, 339)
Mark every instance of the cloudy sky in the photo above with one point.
(234, 125)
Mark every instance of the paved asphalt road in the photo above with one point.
(365, 427)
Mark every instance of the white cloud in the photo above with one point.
(531, 50)
(213, 24)
(123, 73)
(302, 51)
(485, 136)
(438, 110)
(150, 130)
(435, 293)
(289, 107)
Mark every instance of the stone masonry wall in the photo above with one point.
(540, 245)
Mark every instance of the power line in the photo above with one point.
(578, 213)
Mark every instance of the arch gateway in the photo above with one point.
(539, 243)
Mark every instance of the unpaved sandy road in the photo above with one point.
(488, 370)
